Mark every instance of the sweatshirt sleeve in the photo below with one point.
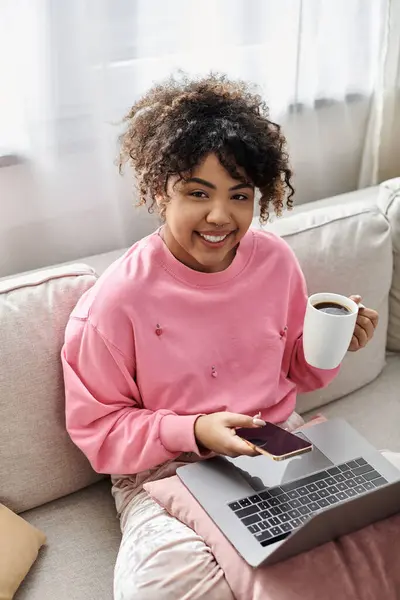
(305, 377)
(104, 414)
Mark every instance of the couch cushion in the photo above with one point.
(389, 203)
(344, 248)
(373, 410)
(38, 461)
(83, 537)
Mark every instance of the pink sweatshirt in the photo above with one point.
(153, 345)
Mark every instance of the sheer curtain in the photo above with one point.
(381, 152)
(70, 70)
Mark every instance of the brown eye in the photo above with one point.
(240, 197)
(198, 194)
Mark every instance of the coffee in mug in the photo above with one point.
(332, 308)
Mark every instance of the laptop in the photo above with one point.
(271, 511)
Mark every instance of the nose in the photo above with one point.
(219, 214)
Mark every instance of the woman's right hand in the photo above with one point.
(217, 432)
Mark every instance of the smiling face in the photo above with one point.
(207, 215)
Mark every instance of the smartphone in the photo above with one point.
(273, 441)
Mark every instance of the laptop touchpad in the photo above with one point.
(261, 472)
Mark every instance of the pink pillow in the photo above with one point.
(363, 565)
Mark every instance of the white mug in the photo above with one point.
(327, 337)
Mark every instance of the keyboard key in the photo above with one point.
(275, 491)
(286, 527)
(369, 485)
(263, 505)
(352, 464)
(246, 512)
(321, 484)
(234, 505)
(265, 514)
(273, 522)
(295, 523)
(333, 471)
(276, 531)
(362, 470)
(264, 535)
(251, 519)
(342, 495)
(378, 482)
(348, 475)
(285, 506)
(313, 506)
(314, 497)
(303, 518)
(293, 494)
(274, 502)
(285, 517)
(263, 525)
(361, 461)
(293, 514)
(294, 503)
(304, 510)
(343, 468)
(323, 493)
(371, 475)
(351, 483)
(360, 489)
(254, 529)
(340, 477)
(255, 499)
(304, 491)
(275, 511)
(312, 487)
(244, 502)
(333, 489)
(360, 479)
(342, 487)
(332, 500)
(323, 503)
(330, 481)
(351, 493)
(306, 500)
(264, 495)
(284, 498)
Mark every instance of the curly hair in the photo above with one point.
(180, 121)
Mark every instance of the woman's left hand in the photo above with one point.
(367, 322)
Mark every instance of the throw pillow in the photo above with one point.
(20, 543)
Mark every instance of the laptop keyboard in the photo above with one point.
(271, 515)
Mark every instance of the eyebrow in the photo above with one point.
(239, 186)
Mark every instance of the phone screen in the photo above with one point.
(273, 439)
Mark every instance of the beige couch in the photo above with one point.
(348, 244)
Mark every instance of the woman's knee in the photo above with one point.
(178, 571)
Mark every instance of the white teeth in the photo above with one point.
(214, 238)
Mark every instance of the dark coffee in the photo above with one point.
(332, 308)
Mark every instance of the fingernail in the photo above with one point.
(259, 422)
